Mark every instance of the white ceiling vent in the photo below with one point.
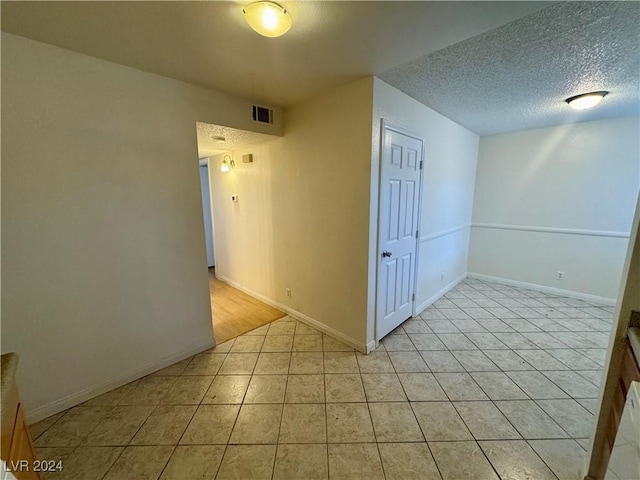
(261, 114)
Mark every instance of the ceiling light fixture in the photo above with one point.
(585, 101)
(225, 167)
(267, 18)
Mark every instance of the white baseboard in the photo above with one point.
(312, 322)
(37, 414)
(433, 298)
(543, 288)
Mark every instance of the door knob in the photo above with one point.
(386, 254)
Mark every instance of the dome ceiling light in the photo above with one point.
(267, 18)
(585, 101)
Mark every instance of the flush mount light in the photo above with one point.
(267, 18)
(225, 166)
(585, 101)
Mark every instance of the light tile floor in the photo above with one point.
(490, 382)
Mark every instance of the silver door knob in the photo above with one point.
(386, 254)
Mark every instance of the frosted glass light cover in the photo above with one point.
(586, 101)
(267, 18)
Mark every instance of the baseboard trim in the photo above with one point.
(77, 398)
(543, 288)
(440, 293)
(312, 322)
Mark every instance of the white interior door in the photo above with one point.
(400, 173)
(206, 211)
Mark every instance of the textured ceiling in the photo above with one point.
(517, 76)
(210, 139)
(210, 45)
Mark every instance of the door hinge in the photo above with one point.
(413, 297)
(417, 233)
(421, 161)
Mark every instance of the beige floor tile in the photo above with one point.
(306, 362)
(282, 328)
(573, 384)
(304, 329)
(38, 428)
(383, 387)
(140, 463)
(244, 462)
(460, 386)
(227, 389)
(441, 362)
(307, 343)
(305, 389)
(272, 364)
(456, 341)
(73, 427)
(173, 370)
(421, 387)
(530, 420)
(375, 362)
(475, 361)
(516, 460)
(507, 360)
(427, 341)
(536, 385)
(408, 461)
(416, 325)
(498, 386)
(55, 456)
(408, 362)
(88, 462)
(222, 347)
(344, 387)
(394, 422)
(486, 341)
(303, 423)
(278, 343)
(340, 362)
(119, 426)
(440, 421)
(260, 331)
(461, 461)
(591, 404)
(239, 364)
(165, 426)
(330, 344)
(349, 423)
(355, 461)
(541, 360)
(205, 364)
(194, 462)
(485, 421)
(564, 457)
(247, 344)
(570, 415)
(148, 391)
(187, 390)
(110, 398)
(400, 343)
(211, 425)
(295, 462)
(257, 424)
(266, 389)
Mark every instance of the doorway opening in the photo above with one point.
(231, 164)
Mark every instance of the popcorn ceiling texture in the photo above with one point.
(234, 138)
(516, 77)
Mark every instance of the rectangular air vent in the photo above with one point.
(261, 114)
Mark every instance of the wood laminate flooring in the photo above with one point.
(234, 312)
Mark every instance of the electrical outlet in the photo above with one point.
(288, 292)
(559, 275)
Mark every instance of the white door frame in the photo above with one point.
(202, 162)
(384, 126)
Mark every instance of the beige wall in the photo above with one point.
(104, 268)
(557, 199)
(301, 221)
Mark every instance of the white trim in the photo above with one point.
(565, 231)
(443, 233)
(312, 322)
(37, 414)
(543, 288)
(422, 307)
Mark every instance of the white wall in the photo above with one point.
(578, 184)
(104, 273)
(447, 195)
(301, 221)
